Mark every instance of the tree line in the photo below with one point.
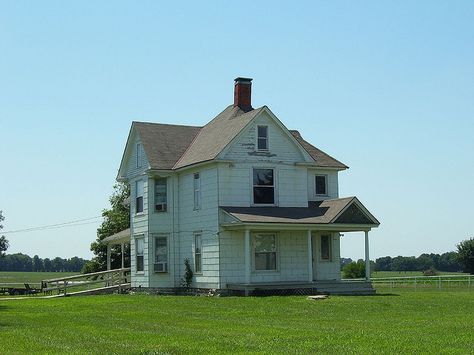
(23, 262)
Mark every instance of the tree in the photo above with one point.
(116, 219)
(37, 263)
(3, 241)
(354, 270)
(466, 255)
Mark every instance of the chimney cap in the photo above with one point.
(242, 80)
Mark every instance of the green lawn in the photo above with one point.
(408, 322)
(21, 277)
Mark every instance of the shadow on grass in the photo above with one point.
(384, 294)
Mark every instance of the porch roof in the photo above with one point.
(118, 238)
(341, 211)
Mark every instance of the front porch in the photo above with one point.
(333, 287)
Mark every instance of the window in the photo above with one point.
(262, 137)
(160, 195)
(139, 196)
(326, 247)
(265, 252)
(198, 253)
(139, 155)
(197, 191)
(263, 186)
(139, 247)
(161, 254)
(321, 185)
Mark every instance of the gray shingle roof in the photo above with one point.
(323, 212)
(164, 144)
(323, 160)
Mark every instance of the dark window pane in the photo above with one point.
(320, 185)
(262, 143)
(263, 177)
(198, 267)
(265, 261)
(262, 131)
(139, 204)
(325, 247)
(263, 195)
(140, 263)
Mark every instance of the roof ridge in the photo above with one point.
(166, 124)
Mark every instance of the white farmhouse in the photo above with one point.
(251, 204)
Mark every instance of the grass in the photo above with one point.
(408, 322)
(21, 277)
(408, 273)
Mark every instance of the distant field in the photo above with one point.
(21, 277)
(400, 322)
(408, 273)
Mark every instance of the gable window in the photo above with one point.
(326, 247)
(139, 196)
(139, 248)
(262, 137)
(263, 186)
(197, 191)
(161, 254)
(160, 195)
(265, 252)
(198, 253)
(139, 155)
(321, 185)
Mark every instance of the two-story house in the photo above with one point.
(249, 202)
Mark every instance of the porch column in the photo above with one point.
(247, 256)
(310, 258)
(123, 255)
(367, 258)
(108, 256)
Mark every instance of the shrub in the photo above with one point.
(430, 272)
(354, 270)
(187, 279)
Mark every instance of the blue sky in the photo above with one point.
(387, 87)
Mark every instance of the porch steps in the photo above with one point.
(345, 287)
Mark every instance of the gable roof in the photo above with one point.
(169, 147)
(164, 144)
(340, 210)
(322, 159)
(216, 135)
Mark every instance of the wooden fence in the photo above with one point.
(425, 282)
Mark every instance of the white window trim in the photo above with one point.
(194, 252)
(154, 195)
(166, 236)
(197, 206)
(136, 238)
(329, 235)
(325, 182)
(275, 193)
(277, 256)
(267, 138)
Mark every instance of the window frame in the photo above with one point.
(263, 186)
(138, 156)
(197, 191)
(197, 235)
(164, 204)
(137, 197)
(267, 140)
(329, 240)
(139, 238)
(155, 245)
(276, 252)
(325, 184)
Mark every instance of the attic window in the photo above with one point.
(139, 155)
(262, 137)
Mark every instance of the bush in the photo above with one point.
(187, 279)
(354, 270)
(430, 272)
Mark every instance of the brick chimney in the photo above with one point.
(243, 93)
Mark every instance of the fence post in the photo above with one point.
(415, 283)
(439, 282)
(65, 283)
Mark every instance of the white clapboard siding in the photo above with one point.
(332, 180)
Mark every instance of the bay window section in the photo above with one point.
(265, 252)
(263, 186)
(161, 254)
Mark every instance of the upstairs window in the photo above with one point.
(161, 254)
(198, 253)
(139, 196)
(265, 252)
(160, 195)
(139, 155)
(321, 185)
(139, 246)
(326, 247)
(197, 191)
(263, 187)
(262, 137)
